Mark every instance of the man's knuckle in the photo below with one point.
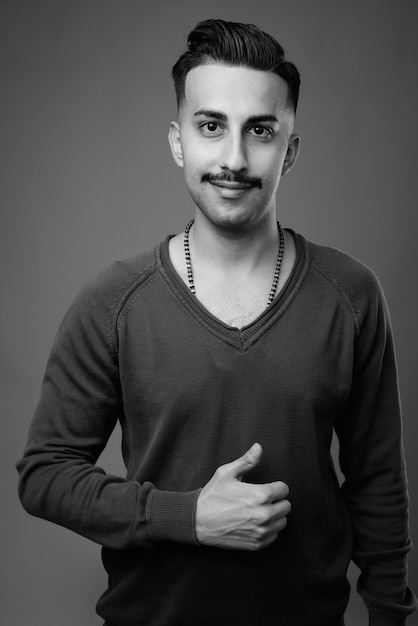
(259, 533)
(264, 516)
(259, 539)
(259, 516)
(264, 494)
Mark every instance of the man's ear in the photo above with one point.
(292, 154)
(174, 140)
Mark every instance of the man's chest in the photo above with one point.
(182, 357)
(234, 307)
(187, 380)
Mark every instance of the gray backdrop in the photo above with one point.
(87, 178)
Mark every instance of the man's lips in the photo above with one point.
(230, 185)
(232, 181)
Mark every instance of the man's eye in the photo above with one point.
(211, 128)
(261, 131)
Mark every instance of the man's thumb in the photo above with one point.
(247, 461)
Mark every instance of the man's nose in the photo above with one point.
(234, 157)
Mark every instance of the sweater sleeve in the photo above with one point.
(81, 401)
(372, 461)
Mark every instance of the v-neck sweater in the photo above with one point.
(192, 393)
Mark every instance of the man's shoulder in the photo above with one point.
(128, 271)
(339, 265)
(112, 285)
(352, 280)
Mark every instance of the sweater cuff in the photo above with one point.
(378, 618)
(171, 516)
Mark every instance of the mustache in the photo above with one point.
(229, 177)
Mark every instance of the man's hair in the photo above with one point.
(234, 44)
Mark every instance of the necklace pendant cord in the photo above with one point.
(277, 268)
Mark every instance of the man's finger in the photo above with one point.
(244, 463)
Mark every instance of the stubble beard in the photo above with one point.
(235, 217)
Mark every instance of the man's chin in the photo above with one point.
(232, 220)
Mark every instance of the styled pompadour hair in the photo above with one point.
(234, 44)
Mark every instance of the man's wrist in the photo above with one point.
(170, 516)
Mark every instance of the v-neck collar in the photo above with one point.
(240, 338)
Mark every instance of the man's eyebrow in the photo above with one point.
(258, 119)
(218, 115)
(253, 119)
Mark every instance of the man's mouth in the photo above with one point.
(228, 180)
(230, 185)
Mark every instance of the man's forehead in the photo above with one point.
(218, 86)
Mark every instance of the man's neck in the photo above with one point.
(233, 275)
(233, 250)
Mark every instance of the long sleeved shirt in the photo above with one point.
(191, 394)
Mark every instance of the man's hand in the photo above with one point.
(236, 515)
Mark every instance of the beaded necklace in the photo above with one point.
(276, 270)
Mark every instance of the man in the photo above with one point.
(229, 353)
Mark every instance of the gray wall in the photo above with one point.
(87, 178)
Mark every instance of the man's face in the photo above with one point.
(234, 141)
